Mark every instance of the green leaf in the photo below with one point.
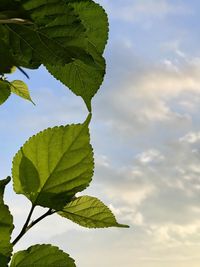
(3, 184)
(94, 19)
(31, 42)
(82, 78)
(57, 20)
(54, 165)
(42, 256)
(6, 227)
(12, 70)
(4, 91)
(21, 89)
(90, 212)
(71, 33)
(56, 35)
(6, 60)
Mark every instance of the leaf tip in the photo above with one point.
(32, 102)
(88, 105)
(5, 181)
(8, 179)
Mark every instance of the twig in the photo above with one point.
(28, 226)
(24, 228)
(48, 213)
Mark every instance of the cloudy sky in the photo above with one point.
(145, 133)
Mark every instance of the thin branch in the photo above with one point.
(24, 228)
(48, 213)
(28, 226)
(19, 68)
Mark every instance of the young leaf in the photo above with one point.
(54, 165)
(89, 212)
(21, 89)
(4, 91)
(6, 228)
(82, 78)
(42, 255)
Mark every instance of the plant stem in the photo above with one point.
(48, 213)
(24, 228)
(28, 226)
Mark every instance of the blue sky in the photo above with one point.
(145, 133)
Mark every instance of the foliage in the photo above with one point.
(42, 255)
(71, 33)
(68, 37)
(6, 227)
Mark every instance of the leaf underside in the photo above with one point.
(4, 91)
(89, 212)
(83, 79)
(54, 165)
(6, 227)
(42, 256)
(21, 89)
(68, 37)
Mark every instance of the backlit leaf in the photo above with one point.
(4, 91)
(53, 36)
(21, 89)
(54, 165)
(3, 184)
(82, 78)
(94, 19)
(31, 43)
(6, 227)
(42, 256)
(90, 212)
(68, 37)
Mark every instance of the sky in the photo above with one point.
(146, 136)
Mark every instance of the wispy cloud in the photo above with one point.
(166, 94)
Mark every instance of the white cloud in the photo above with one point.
(192, 137)
(175, 234)
(102, 160)
(149, 156)
(156, 96)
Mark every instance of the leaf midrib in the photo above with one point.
(49, 177)
(91, 219)
(45, 36)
